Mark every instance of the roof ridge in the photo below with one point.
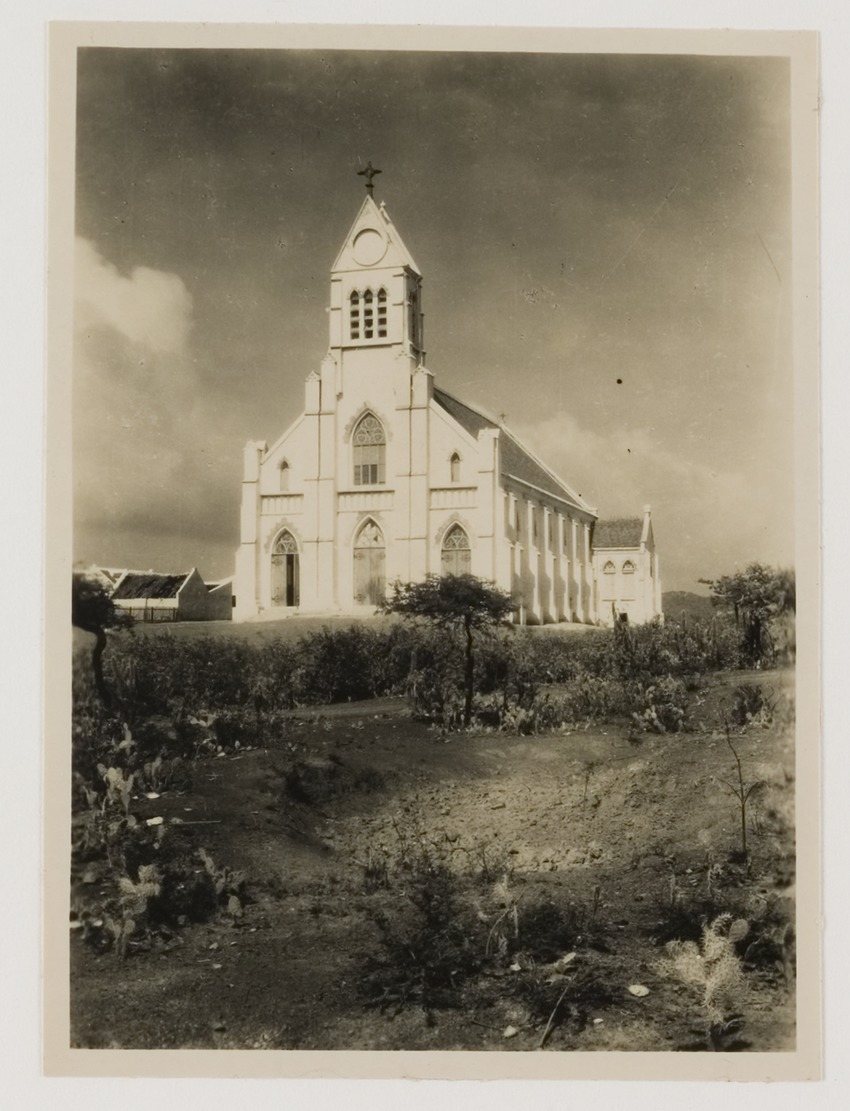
(472, 408)
(565, 491)
(580, 502)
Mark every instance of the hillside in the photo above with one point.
(695, 607)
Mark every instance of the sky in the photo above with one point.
(605, 244)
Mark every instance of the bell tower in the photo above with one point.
(376, 290)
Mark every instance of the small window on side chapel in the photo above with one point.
(628, 567)
(609, 568)
(284, 477)
(454, 465)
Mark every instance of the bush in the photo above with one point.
(659, 706)
(713, 967)
(248, 688)
(429, 947)
(752, 705)
(567, 1000)
(663, 707)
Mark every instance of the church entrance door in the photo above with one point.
(370, 557)
(285, 571)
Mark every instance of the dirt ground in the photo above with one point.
(616, 828)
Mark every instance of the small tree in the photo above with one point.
(756, 597)
(454, 602)
(93, 611)
(741, 791)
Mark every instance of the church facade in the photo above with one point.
(387, 477)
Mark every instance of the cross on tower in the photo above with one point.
(369, 173)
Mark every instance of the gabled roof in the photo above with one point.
(371, 216)
(516, 460)
(220, 584)
(138, 584)
(469, 419)
(622, 532)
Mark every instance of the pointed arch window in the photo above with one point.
(285, 571)
(354, 315)
(370, 554)
(284, 477)
(369, 452)
(609, 568)
(628, 567)
(368, 315)
(454, 466)
(456, 555)
(382, 314)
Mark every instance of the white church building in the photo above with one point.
(387, 477)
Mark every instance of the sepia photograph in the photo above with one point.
(436, 511)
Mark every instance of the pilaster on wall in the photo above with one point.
(247, 578)
(312, 393)
(490, 504)
(326, 588)
(587, 575)
(420, 392)
(576, 563)
(331, 383)
(422, 388)
(532, 586)
(563, 565)
(503, 572)
(545, 573)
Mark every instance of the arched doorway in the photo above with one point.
(370, 558)
(285, 571)
(456, 554)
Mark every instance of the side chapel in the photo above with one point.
(387, 477)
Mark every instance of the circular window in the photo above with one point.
(369, 247)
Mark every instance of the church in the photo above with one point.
(386, 477)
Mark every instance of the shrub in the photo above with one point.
(752, 705)
(713, 966)
(548, 930)
(248, 688)
(428, 947)
(662, 707)
(156, 883)
(336, 665)
(570, 999)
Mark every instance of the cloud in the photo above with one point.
(149, 308)
(706, 519)
(149, 471)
